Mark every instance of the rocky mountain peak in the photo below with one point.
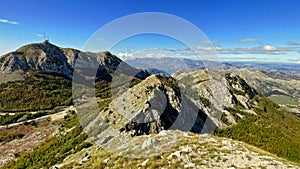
(183, 101)
(153, 105)
(48, 58)
(45, 46)
(44, 57)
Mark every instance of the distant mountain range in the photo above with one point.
(274, 80)
(182, 64)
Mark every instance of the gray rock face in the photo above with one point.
(154, 105)
(48, 58)
(187, 104)
(215, 97)
(43, 57)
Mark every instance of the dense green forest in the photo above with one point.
(273, 129)
(35, 92)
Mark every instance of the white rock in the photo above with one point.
(147, 143)
(187, 149)
(189, 165)
(176, 153)
(106, 160)
(144, 162)
(226, 143)
(163, 133)
(85, 159)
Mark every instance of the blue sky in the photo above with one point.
(266, 30)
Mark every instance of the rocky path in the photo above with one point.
(53, 117)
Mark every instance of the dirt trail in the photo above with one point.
(55, 116)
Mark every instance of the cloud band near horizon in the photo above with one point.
(9, 22)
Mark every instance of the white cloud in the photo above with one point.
(209, 41)
(268, 48)
(205, 48)
(8, 22)
(125, 54)
(244, 40)
(40, 35)
(265, 49)
(153, 53)
(292, 43)
(297, 60)
(219, 48)
(208, 49)
(248, 40)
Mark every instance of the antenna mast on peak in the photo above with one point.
(44, 35)
(46, 38)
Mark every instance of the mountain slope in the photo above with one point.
(39, 76)
(244, 115)
(189, 151)
(43, 57)
(132, 121)
(153, 105)
(217, 96)
(48, 58)
(272, 128)
(194, 151)
(282, 89)
(249, 116)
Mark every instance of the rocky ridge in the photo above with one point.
(48, 58)
(192, 151)
(186, 102)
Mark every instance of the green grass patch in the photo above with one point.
(285, 100)
(273, 129)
